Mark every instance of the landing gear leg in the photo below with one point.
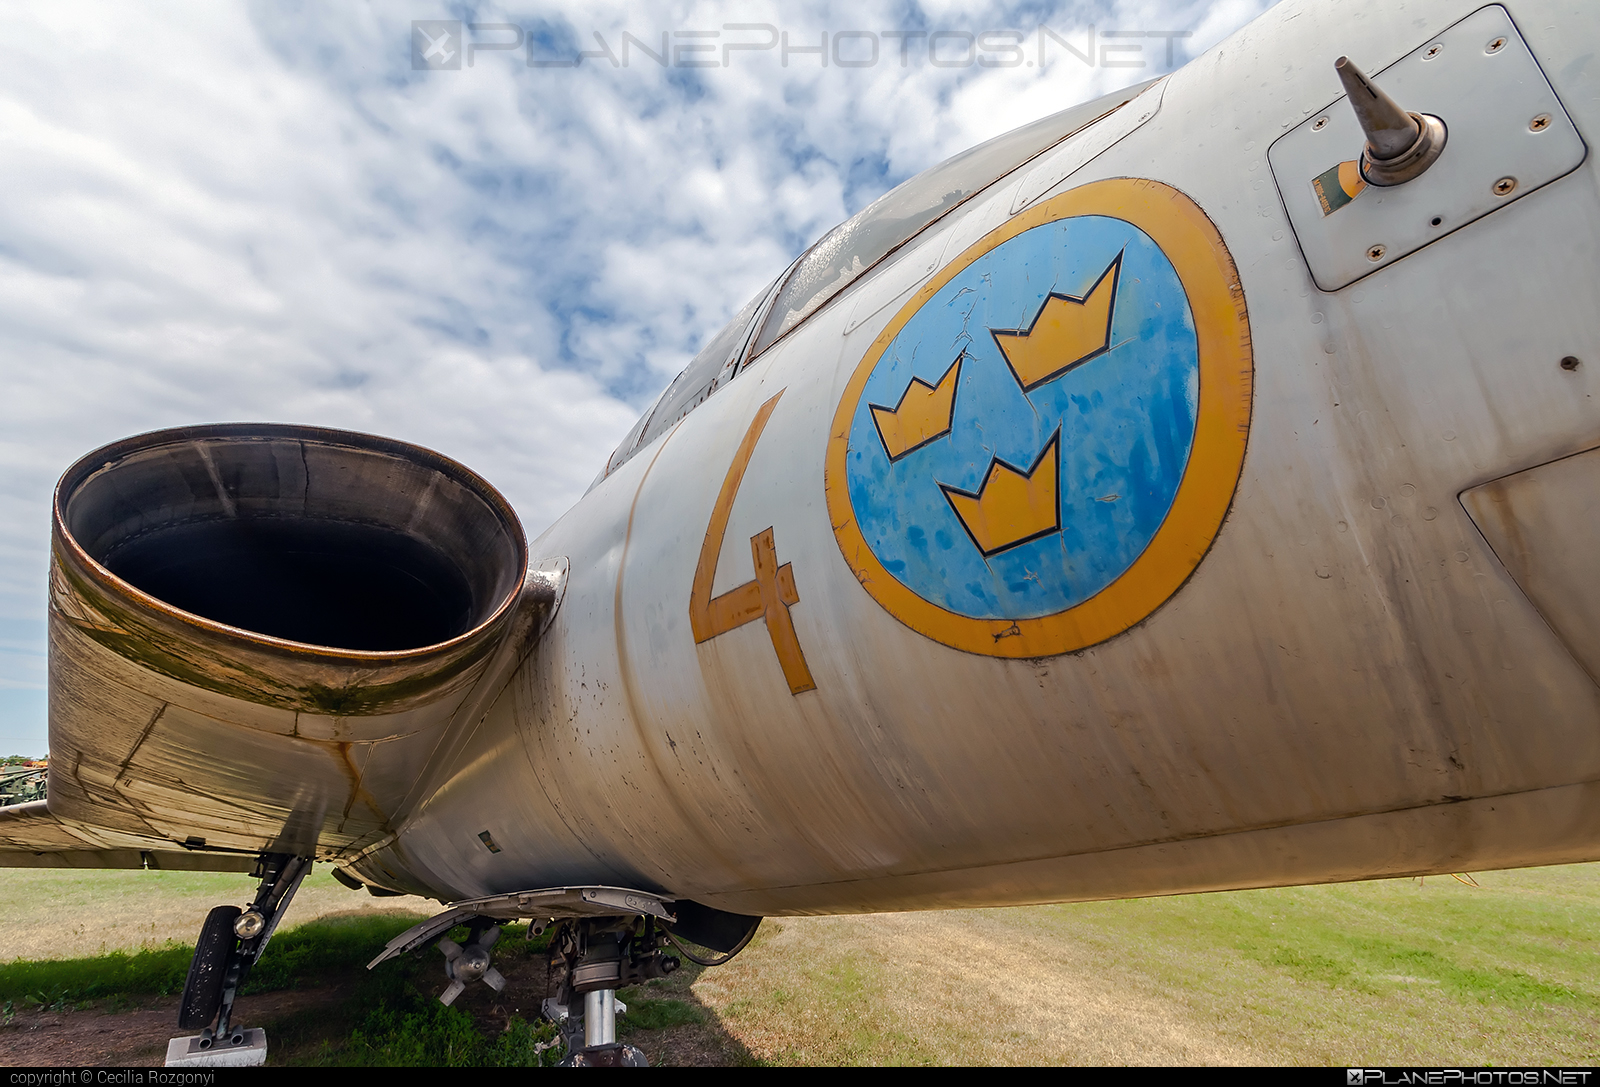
(599, 1018)
(231, 941)
(596, 957)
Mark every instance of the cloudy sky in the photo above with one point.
(228, 212)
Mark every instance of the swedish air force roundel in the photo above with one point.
(1041, 446)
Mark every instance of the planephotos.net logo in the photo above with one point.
(1452, 1077)
(442, 45)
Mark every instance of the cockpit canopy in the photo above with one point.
(847, 253)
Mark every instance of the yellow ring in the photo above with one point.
(1222, 328)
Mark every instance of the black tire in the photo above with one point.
(202, 992)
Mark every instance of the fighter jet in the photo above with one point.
(1195, 489)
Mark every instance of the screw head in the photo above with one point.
(1322, 123)
(1432, 51)
(1495, 45)
(1539, 123)
(1570, 362)
(1504, 186)
(1375, 252)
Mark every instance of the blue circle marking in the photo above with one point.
(1126, 419)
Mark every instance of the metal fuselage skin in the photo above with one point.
(1349, 685)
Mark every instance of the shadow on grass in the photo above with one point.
(391, 1016)
(314, 953)
(674, 1027)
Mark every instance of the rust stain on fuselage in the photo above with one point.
(354, 775)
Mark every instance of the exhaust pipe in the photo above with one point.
(259, 634)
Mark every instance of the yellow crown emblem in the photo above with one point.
(1012, 506)
(925, 412)
(1066, 332)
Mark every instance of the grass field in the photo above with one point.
(65, 913)
(1387, 972)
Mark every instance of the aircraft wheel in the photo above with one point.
(202, 992)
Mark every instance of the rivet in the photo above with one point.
(1570, 362)
(1539, 123)
(1375, 253)
(1504, 186)
(1495, 45)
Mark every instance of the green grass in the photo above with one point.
(65, 913)
(1525, 939)
(1386, 972)
(1382, 972)
(68, 981)
(645, 1013)
(1503, 972)
(389, 1017)
(394, 1019)
(306, 955)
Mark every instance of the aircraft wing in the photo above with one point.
(32, 837)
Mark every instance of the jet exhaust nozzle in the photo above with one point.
(313, 601)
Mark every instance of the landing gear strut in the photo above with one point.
(231, 941)
(596, 957)
(605, 938)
